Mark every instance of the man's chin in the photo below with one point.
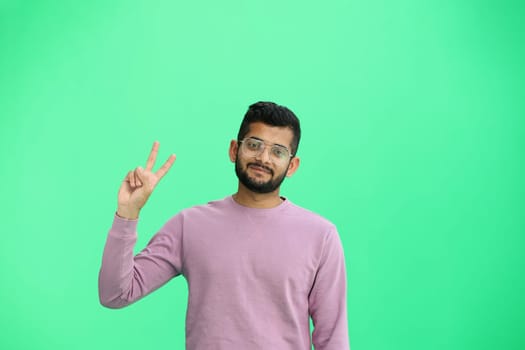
(258, 186)
(258, 182)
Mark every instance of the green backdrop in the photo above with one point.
(413, 144)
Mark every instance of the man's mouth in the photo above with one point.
(260, 168)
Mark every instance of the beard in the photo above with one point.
(255, 185)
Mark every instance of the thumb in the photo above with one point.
(140, 172)
(145, 179)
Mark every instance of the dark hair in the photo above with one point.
(274, 115)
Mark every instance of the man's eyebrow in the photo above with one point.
(276, 144)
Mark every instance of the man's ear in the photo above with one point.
(233, 150)
(294, 165)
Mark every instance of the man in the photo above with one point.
(256, 264)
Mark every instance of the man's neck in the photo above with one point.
(251, 199)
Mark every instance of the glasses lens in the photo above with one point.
(253, 147)
(280, 152)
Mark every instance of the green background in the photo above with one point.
(413, 144)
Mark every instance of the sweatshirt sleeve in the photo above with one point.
(327, 299)
(124, 278)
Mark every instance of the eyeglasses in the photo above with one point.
(252, 147)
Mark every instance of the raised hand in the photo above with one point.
(139, 184)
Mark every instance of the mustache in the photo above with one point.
(261, 166)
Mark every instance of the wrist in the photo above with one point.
(128, 214)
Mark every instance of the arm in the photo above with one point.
(124, 278)
(327, 299)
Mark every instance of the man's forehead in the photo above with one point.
(281, 135)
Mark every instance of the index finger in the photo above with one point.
(152, 156)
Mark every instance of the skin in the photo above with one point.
(139, 183)
(271, 135)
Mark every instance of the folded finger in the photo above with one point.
(128, 178)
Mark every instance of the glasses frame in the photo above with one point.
(290, 155)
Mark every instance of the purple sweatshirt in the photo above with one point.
(254, 275)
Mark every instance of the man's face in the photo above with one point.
(264, 173)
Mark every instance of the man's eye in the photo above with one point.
(253, 145)
(279, 152)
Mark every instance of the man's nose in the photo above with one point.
(264, 155)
